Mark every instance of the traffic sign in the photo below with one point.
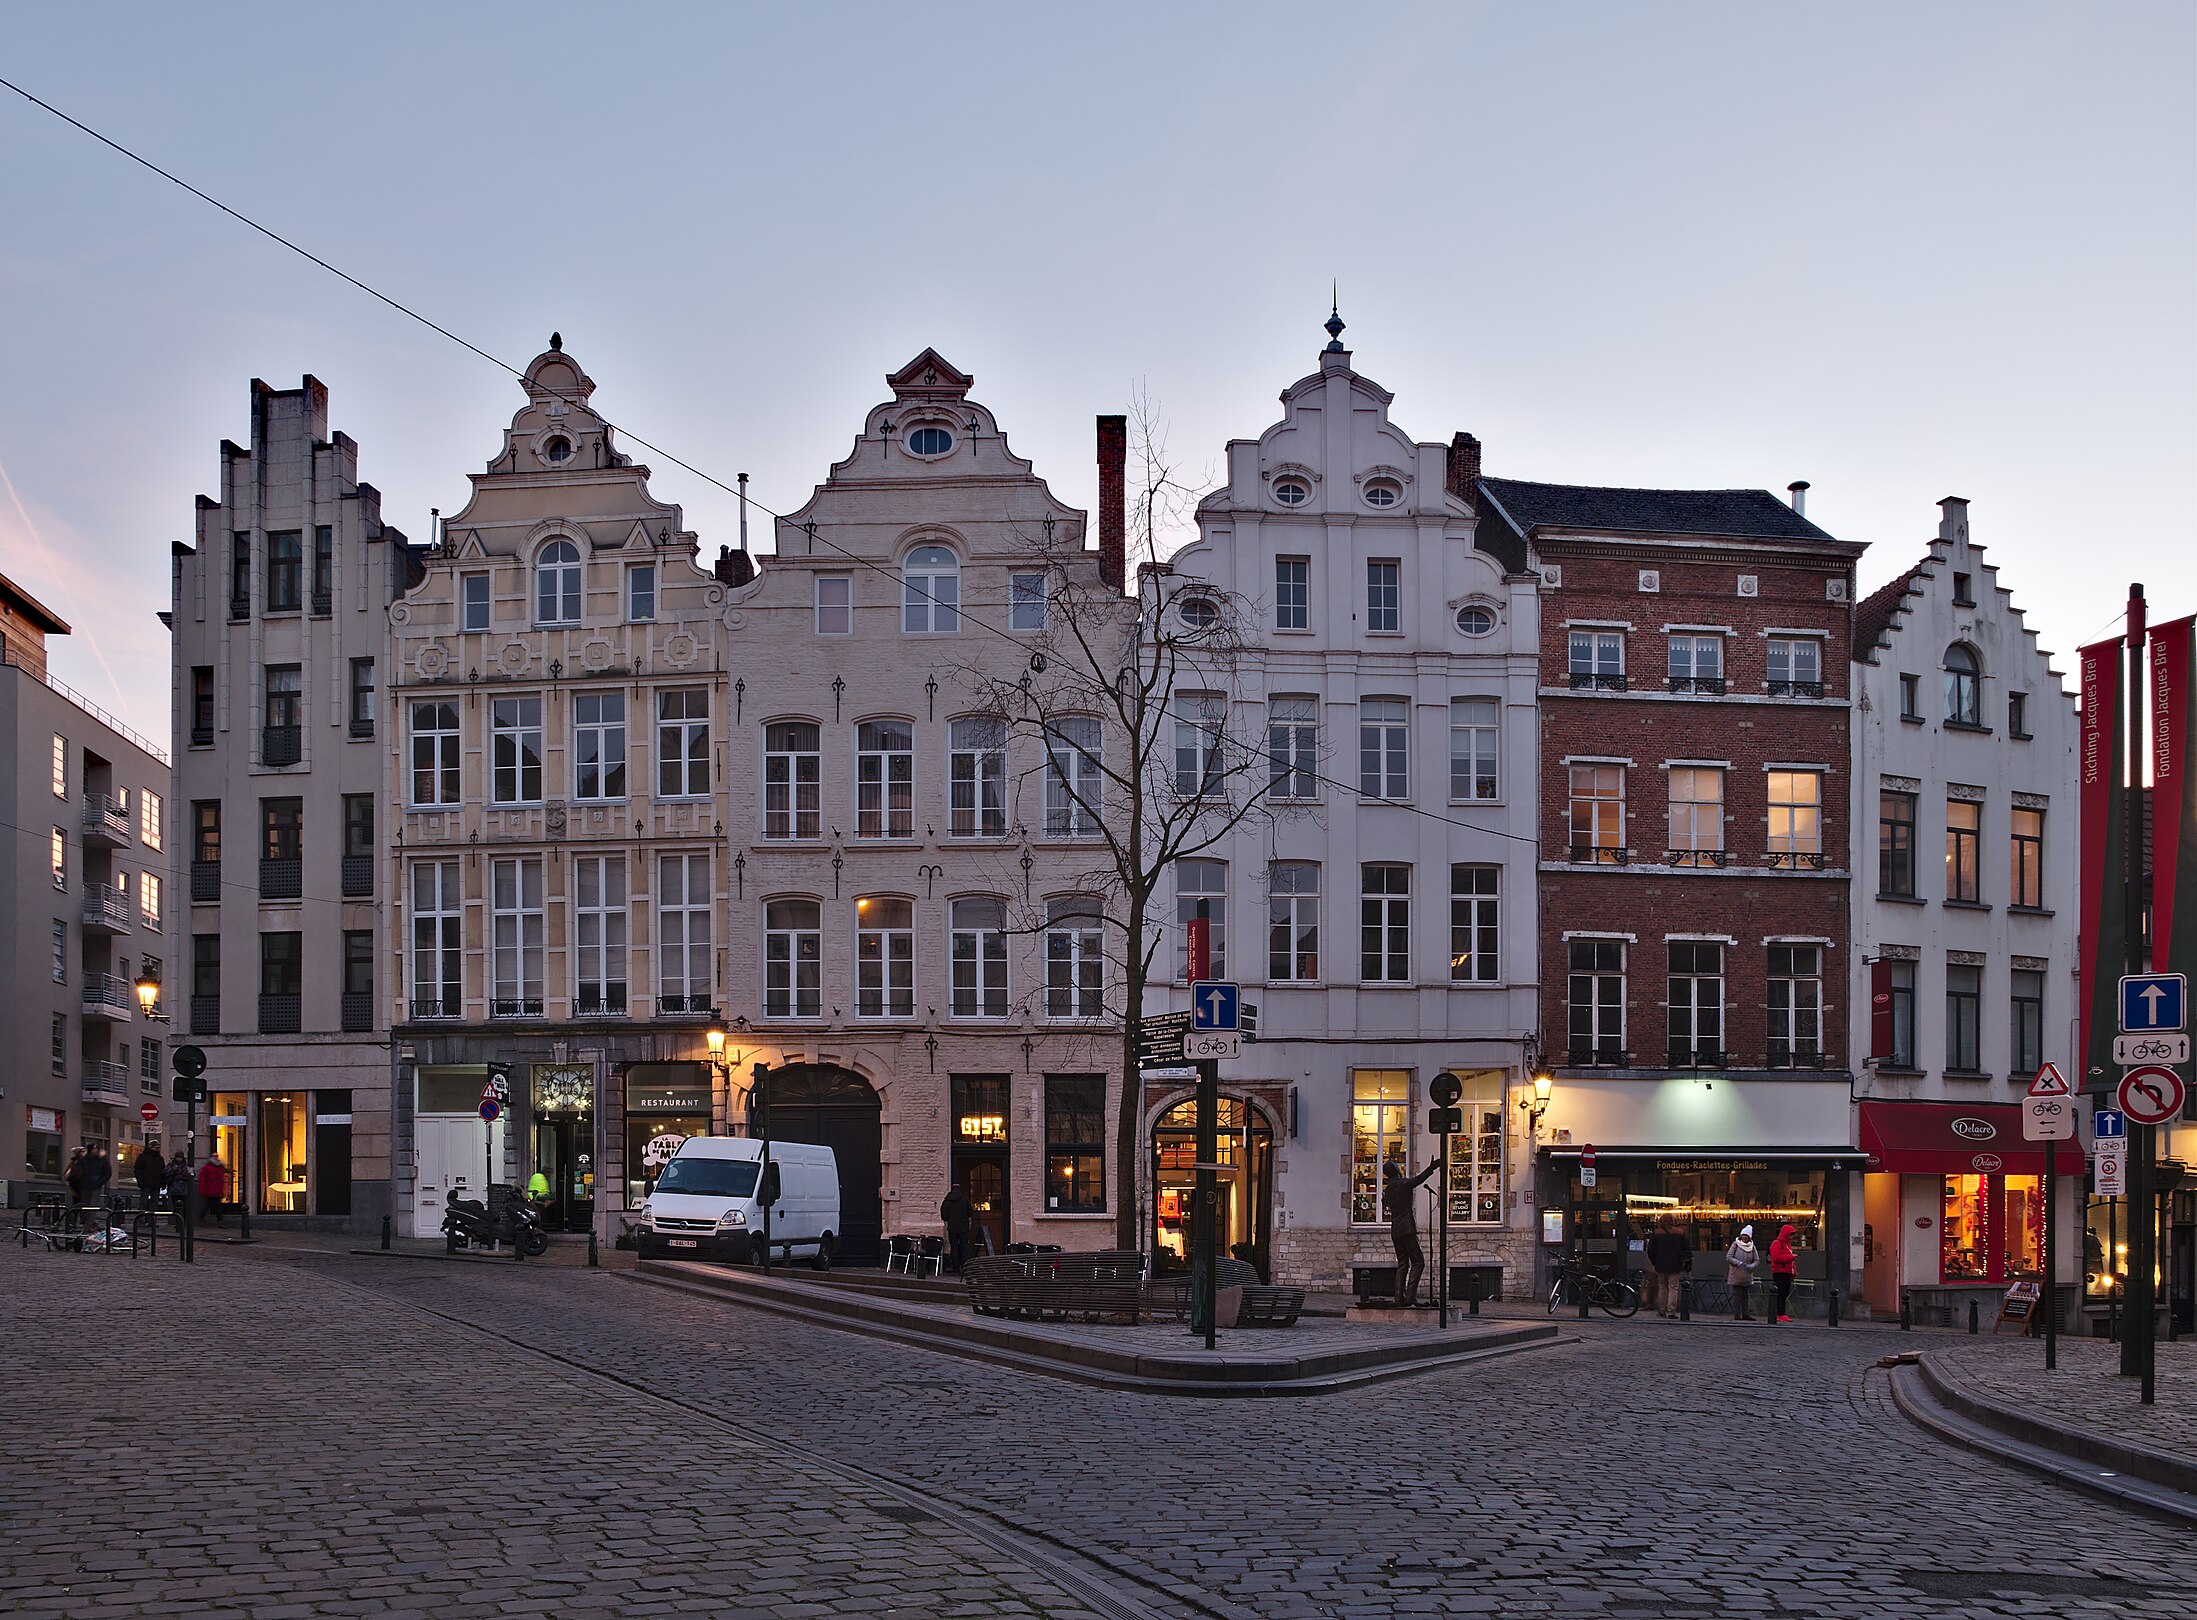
(2048, 1119)
(2109, 1168)
(1445, 1121)
(2151, 1095)
(2152, 1001)
(490, 1108)
(1209, 1046)
(1159, 1038)
(1213, 1005)
(2050, 1083)
(1445, 1088)
(2109, 1124)
(2169, 1046)
(1586, 1166)
(148, 1112)
(188, 1061)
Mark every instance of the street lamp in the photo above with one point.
(148, 995)
(715, 1035)
(1538, 1104)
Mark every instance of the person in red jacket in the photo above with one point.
(213, 1186)
(1783, 1263)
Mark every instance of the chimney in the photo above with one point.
(1953, 518)
(1464, 466)
(1798, 489)
(734, 567)
(1113, 511)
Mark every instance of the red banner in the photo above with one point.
(2104, 828)
(2173, 795)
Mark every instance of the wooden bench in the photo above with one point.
(1264, 1304)
(1099, 1285)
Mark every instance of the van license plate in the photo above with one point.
(682, 1243)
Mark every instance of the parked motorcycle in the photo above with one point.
(505, 1218)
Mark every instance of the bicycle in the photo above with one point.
(1613, 1298)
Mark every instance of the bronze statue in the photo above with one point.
(1403, 1229)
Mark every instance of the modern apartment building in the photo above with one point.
(1962, 981)
(1379, 905)
(280, 627)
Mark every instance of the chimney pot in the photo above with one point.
(1113, 499)
(1798, 489)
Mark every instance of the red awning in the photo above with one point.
(1956, 1139)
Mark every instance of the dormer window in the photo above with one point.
(557, 449)
(1199, 612)
(1292, 491)
(1383, 492)
(930, 441)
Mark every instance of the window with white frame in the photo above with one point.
(1293, 748)
(793, 779)
(1074, 787)
(438, 940)
(148, 900)
(976, 777)
(1474, 732)
(599, 745)
(1695, 659)
(1596, 655)
(1696, 1002)
(2027, 1022)
(516, 939)
(1597, 809)
(1384, 726)
(1075, 958)
(1198, 718)
(1206, 881)
(930, 592)
(884, 958)
(793, 949)
(978, 947)
(834, 605)
(434, 754)
(1796, 813)
(682, 743)
(1476, 1152)
(1796, 1005)
(884, 779)
(599, 933)
(641, 593)
(1594, 1001)
(1292, 593)
(1795, 666)
(1383, 595)
(557, 583)
(1380, 1101)
(1475, 924)
(1293, 920)
(473, 602)
(1026, 602)
(683, 977)
(515, 750)
(149, 830)
(1697, 811)
(148, 1066)
(1384, 923)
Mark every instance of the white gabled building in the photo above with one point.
(1383, 916)
(1964, 948)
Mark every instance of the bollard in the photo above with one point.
(385, 1231)
(1906, 1312)
(591, 1260)
(244, 1220)
(1834, 1308)
(1975, 1317)
(1685, 1299)
(1580, 1282)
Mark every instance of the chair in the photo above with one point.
(929, 1251)
(900, 1253)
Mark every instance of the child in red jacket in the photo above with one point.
(1783, 1263)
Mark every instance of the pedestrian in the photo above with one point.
(1783, 1264)
(151, 1173)
(98, 1174)
(1740, 1261)
(213, 1186)
(1403, 1228)
(1667, 1252)
(956, 1212)
(180, 1181)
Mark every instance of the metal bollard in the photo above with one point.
(1580, 1282)
(1834, 1309)
(1685, 1299)
(385, 1231)
(591, 1259)
(244, 1220)
(1906, 1312)
(1975, 1317)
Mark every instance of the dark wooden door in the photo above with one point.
(815, 1102)
(985, 1181)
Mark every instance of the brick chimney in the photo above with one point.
(1113, 494)
(1464, 466)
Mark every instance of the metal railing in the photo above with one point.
(362, 730)
(1796, 1055)
(437, 1007)
(205, 880)
(282, 879)
(358, 876)
(1696, 1057)
(105, 818)
(1697, 857)
(105, 993)
(1703, 685)
(358, 1011)
(1600, 1055)
(281, 1015)
(10, 659)
(1808, 689)
(1601, 854)
(607, 1001)
(1587, 681)
(106, 1083)
(205, 1015)
(1795, 859)
(105, 908)
(281, 745)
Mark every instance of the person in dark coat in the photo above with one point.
(1666, 1252)
(1403, 1228)
(956, 1212)
(98, 1173)
(151, 1173)
(180, 1185)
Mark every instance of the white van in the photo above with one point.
(703, 1206)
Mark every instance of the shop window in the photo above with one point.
(2026, 887)
(1696, 986)
(331, 1153)
(42, 1142)
(1379, 1103)
(976, 777)
(665, 1104)
(1293, 920)
(980, 1110)
(978, 945)
(1075, 1144)
(280, 1151)
(884, 779)
(1963, 834)
(1991, 1229)
(1476, 1153)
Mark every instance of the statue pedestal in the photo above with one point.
(1422, 1315)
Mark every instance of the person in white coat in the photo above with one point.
(1740, 1261)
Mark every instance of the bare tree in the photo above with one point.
(1126, 702)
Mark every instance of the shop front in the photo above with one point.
(1244, 1184)
(662, 1105)
(562, 1098)
(1954, 1205)
(287, 1153)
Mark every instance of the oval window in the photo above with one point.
(1475, 621)
(1292, 491)
(1199, 613)
(930, 441)
(1383, 492)
(557, 449)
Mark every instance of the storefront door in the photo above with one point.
(1243, 1201)
(984, 1179)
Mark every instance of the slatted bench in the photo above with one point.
(1264, 1304)
(1105, 1284)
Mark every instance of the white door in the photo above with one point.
(450, 1157)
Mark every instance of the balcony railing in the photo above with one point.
(437, 1007)
(362, 730)
(281, 745)
(324, 603)
(515, 1007)
(106, 996)
(1808, 689)
(1601, 854)
(1598, 1055)
(1588, 681)
(202, 736)
(105, 821)
(106, 910)
(106, 1083)
(1795, 859)
(1681, 1056)
(1796, 1055)
(206, 1015)
(281, 1015)
(1697, 857)
(1700, 685)
(358, 1010)
(205, 881)
(672, 1005)
(281, 879)
(358, 876)
(605, 1001)
(240, 609)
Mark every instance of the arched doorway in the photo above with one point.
(821, 1102)
(1245, 1144)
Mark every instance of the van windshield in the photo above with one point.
(709, 1178)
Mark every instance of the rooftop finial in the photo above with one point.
(557, 342)
(1334, 322)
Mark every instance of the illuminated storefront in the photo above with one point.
(665, 1103)
(287, 1153)
(1244, 1148)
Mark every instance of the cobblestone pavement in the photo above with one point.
(1640, 1469)
(2085, 1390)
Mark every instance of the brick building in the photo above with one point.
(1694, 875)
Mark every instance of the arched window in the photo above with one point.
(1963, 686)
(557, 584)
(930, 592)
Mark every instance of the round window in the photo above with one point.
(1383, 492)
(930, 441)
(1292, 491)
(1199, 613)
(557, 449)
(1475, 621)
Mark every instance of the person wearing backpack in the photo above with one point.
(1740, 1261)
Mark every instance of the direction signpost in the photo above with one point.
(2048, 1116)
(2153, 1006)
(189, 1063)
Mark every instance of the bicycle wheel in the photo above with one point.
(1618, 1299)
(1556, 1294)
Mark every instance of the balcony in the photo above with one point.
(106, 1084)
(437, 1007)
(281, 879)
(1597, 1055)
(205, 883)
(362, 730)
(358, 1011)
(515, 1007)
(1804, 689)
(1601, 855)
(1683, 1056)
(106, 996)
(1583, 680)
(281, 745)
(1794, 860)
(106, 823)
(600, 1001)
(206, 1015)
(1697, 857)
(358, 876)
(281, 1015)
(1698, 685)
(670, 1005)
(106, 910)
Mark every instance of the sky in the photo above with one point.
(1900, 251)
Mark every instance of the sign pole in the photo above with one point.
(1441, 1239)
(1204, 1258)
(2136, 1343)
(190, 1192)
(759, 1121)
(2051, 1277)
